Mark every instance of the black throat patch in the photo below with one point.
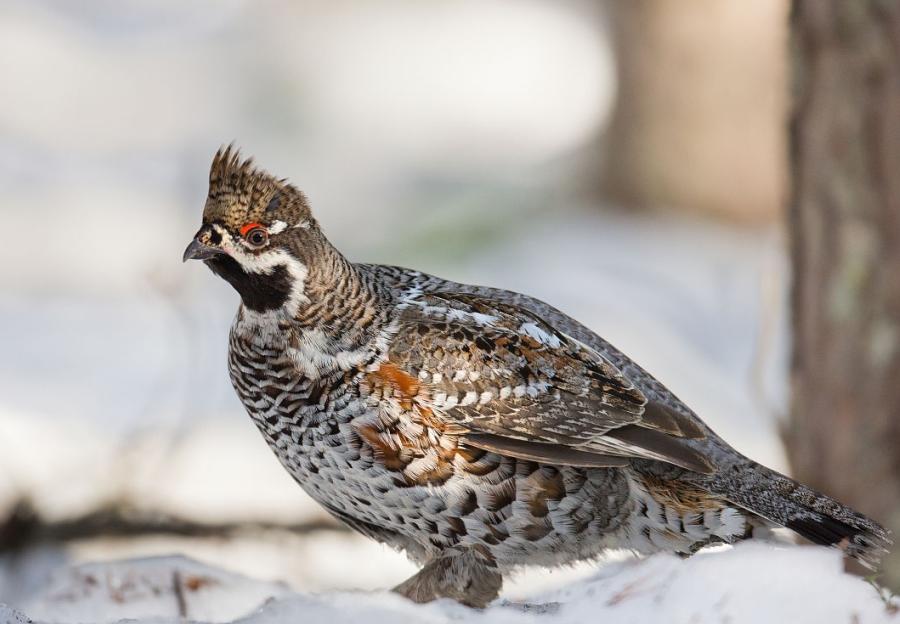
(259, 292)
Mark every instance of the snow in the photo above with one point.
(750, 583)
(153, 587)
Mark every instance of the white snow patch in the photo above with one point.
(745, 585)
(164, 587)
(11, 616)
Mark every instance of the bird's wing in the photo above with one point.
(505, 380)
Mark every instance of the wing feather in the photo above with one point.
(541, 452)
(518, 386)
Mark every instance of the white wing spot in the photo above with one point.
(530, 329)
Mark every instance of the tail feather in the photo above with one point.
(867, 544)
(818, 518)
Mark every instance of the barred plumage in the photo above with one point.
(475, 428)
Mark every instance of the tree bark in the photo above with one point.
(844, 433)
(698, 123)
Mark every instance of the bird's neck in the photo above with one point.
(337, 318)
(343, 301)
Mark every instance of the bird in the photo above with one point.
(477, 429)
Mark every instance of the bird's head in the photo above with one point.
(258, 234)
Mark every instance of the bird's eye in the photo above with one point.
(257, 237)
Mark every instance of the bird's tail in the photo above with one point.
(818, 518)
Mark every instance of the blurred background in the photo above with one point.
(627, 162)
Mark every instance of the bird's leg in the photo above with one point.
(465, 575)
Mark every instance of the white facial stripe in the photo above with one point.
(221, 231)
(277, 227)
(264, 263)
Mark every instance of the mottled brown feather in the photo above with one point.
(582, 411)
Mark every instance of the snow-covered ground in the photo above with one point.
(751, 583)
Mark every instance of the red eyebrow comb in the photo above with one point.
(248, 227)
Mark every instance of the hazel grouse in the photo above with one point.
(475, 428)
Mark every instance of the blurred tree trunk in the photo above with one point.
(698, 123)
(844, 433)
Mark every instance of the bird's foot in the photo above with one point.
(465, 575)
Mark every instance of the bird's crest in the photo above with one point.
(240, 191)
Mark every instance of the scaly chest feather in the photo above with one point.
(354, 406)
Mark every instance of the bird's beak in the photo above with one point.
(200, 250)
